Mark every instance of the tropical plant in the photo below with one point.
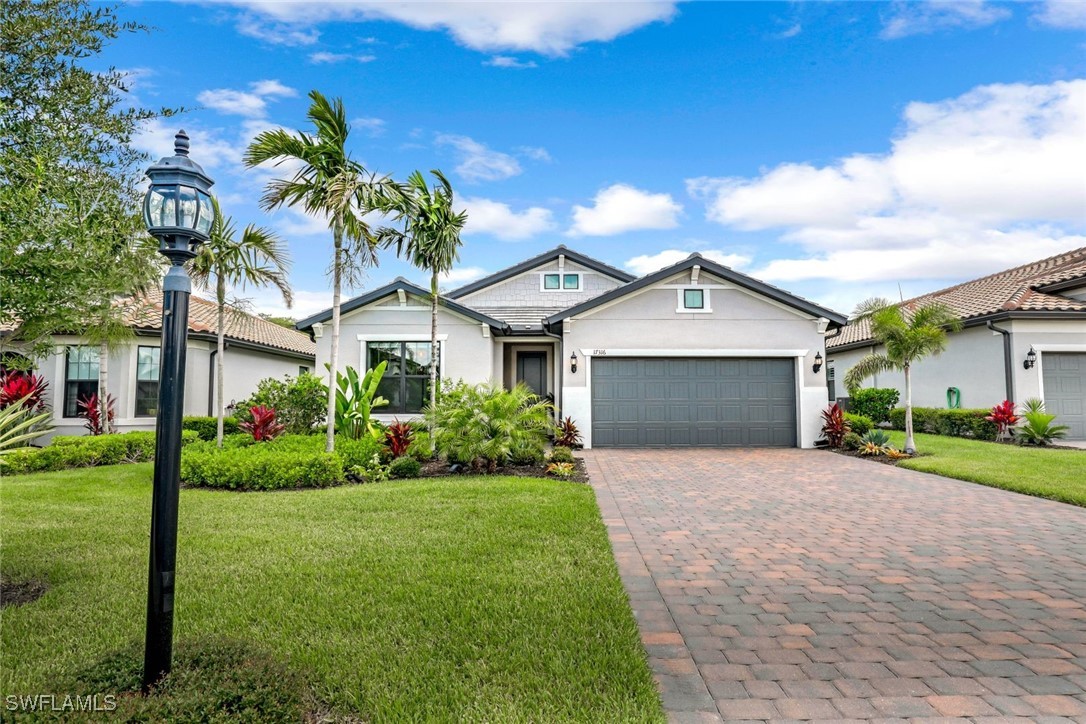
(834, 425)
(90, 408)
(263, 426)
(24, 388)
(561, 454)
(873, 402)
(870, 449)
(298, 401)
(561, 470)
(859, 424)
(429, 239)
(485, 425)
(398, 438)
(909, 333)
(1033, 404)
(566, 434)
(21, 422)
(1004, 417)
(356, 397)
(226, 261)
(327, 183)
(895, 454)
(1039, 427)
(879, 438)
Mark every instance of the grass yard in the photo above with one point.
(483, 599)
(1043, 472)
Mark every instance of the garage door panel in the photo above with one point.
(658, 402)
(1064, 376)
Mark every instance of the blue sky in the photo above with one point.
(839, 150)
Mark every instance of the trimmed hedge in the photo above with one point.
(969, 423)
(289, 461)
(873, 402)
(207, 427)
(859, 424)
(404, 467)
(84, 451)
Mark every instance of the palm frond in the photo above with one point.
(868, 366)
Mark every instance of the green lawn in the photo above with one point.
(1044, 472)
(486, 599)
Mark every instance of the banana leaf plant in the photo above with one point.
(356, 398)
(19, 424)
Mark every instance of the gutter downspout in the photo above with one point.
(1008, 370)
(211, 382)
(559, 362)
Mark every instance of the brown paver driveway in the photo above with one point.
(793, 584)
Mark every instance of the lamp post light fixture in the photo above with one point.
(179, 213)
(573, 361)
(1031, 359)
(817, 363)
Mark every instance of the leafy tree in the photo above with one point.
(327, 183)
(71, 238)
(908, 335)
(430, 240)
(257, 257)
(298, 402)
(287, 322)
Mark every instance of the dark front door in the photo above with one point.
(532, 371)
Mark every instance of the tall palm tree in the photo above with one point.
(258, 257)
(909, 335)
(327, 183)
(430, 240)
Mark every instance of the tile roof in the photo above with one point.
(146, 313)
(1014, 290)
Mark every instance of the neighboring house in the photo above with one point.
(692, 355)
(255, 349)
(1039, 306)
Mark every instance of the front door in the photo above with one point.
(532, 371)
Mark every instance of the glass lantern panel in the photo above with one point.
(186, 198)
(207, 213)
(159, 210)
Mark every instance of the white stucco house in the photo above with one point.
(1023, 336)
(255, 349)
(696, 354)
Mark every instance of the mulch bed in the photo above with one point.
(18, 593)
(873, 458)
(439, 469)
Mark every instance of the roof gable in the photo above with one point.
(529, 264)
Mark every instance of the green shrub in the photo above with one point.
(561, 455)
(264, 466)
(969, 423)
(873, 402)
(207, 427)
(405, 467)
(876, 437)
(357, 453)
(300, 403)
(858, 424)
(851, 441)
(84, 451)
(421, 447)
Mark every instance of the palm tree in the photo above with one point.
(258, 257)
(430, 240)
(909, 334)
(327, 183)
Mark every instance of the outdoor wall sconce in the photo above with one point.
(818, 362)
(1031, 359)
(573, 362)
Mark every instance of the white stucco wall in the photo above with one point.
(1044, 335)
(525, 289)
(739, 324)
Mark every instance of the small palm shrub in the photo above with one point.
(487, 426)
(1039, 427)
(566, 434)
(561, 455)
(834, 425)
(21, 422)
(405, 467)
(876, 437)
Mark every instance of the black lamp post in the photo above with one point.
(179, 213)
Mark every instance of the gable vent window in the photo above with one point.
(550, 281)
(694, 298)
(561, 282)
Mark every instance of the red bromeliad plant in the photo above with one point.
(834, 425)
(1004, 417)
(398, 438)
(15, 385)
(566, 434)
(91, 410)
(263, 427)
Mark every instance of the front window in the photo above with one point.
(81, 377)
(694, 298)
(552, 281)
(571, 281)
(406, 384)
(831, 381)
(147, 371)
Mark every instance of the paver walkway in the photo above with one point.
(793, 584)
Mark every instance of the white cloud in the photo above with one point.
(500, 221)
(462, 275)
(326, 57)
(648, 263)
(307, 302)
(971, 184)
(789, 32)
(549, 28)
(508, 61)
(1070, 14)
(478, 162)
(536, 153)
(621, 208)
(920, 18)
(251, 103)
(372, 126)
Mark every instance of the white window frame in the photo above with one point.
(680, 305)
(561, 282)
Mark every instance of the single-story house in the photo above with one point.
(255, 349)
(1023, 336)
(695, 354)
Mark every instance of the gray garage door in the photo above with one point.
(693, 402)
(1065, 390)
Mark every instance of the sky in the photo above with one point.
(838, 150)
